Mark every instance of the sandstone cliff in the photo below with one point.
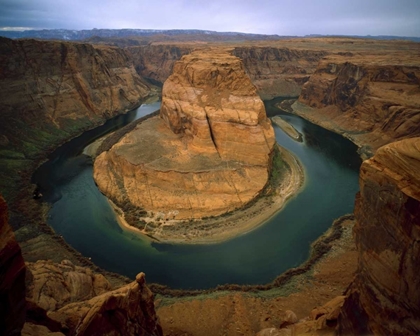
(384, 298)
(371, 99)
(209, 153)
(53, 285)
(50, 91)
(279, 71)
(275, 71)
(12, 278)
(155, 61)
(76, 301)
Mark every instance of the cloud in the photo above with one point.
(284, 17)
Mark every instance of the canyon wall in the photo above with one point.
(50, 91)
(275, 71)
(371, 99)
(278, 71)
(12, 278)
(61, 84)
(155, 61)
(384, 298)
(208, 153)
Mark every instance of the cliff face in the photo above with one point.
(50, 91)
(210, 101)
(208, 153)
(384, 298)
(12, 278)
(76, 301)
(155, 61)
(53, 285)
(277, 71)
(372, 100)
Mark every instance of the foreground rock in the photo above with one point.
(12, 278)
(384, 298)
(128, 310)
(53, 285)
(207, 154)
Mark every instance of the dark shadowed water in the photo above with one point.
(83, 216)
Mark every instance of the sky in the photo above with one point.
(281, 17)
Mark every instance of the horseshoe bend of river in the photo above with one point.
(83, 216)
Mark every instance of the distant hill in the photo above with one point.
(377, 37)
(77, 35)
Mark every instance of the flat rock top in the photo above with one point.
(153, 144)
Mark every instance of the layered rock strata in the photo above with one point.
(50, 91)
(12, 278)
(371, 99)
(275, 71)
(208, 153)
(58, 83)
(279, 71)
(384, 298)
(128, 310)
(53, 285)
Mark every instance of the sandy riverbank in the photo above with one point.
(225, 227)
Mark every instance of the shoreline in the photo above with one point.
(287, 128)
(225, 227)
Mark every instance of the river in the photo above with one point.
(83, 216)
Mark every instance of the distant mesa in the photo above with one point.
(209, 151)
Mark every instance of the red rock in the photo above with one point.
(384, 298)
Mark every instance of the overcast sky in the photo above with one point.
(282, 17)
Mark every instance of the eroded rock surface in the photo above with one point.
(126, 311)
(53, 285)
(53, 85)
(371, 99)
(208, 153)
(384, 298)
(12, 278)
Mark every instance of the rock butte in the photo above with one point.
(207, 154)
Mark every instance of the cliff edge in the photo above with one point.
(384, 298)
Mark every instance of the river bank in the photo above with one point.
(287, 128)
(215, 230)
(29, 216)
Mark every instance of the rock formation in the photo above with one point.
(63, 298)
(275, 71)
(53, 285)
(126, 311)
(371, 99)
(279, 71)
(155, 61)
(12, 278)
(384, 298)
(63, 84)
(209, 153)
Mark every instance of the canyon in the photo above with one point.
(366, 90)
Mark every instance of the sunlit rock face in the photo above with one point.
(384, 298)
(208, 153)
(371, 99)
